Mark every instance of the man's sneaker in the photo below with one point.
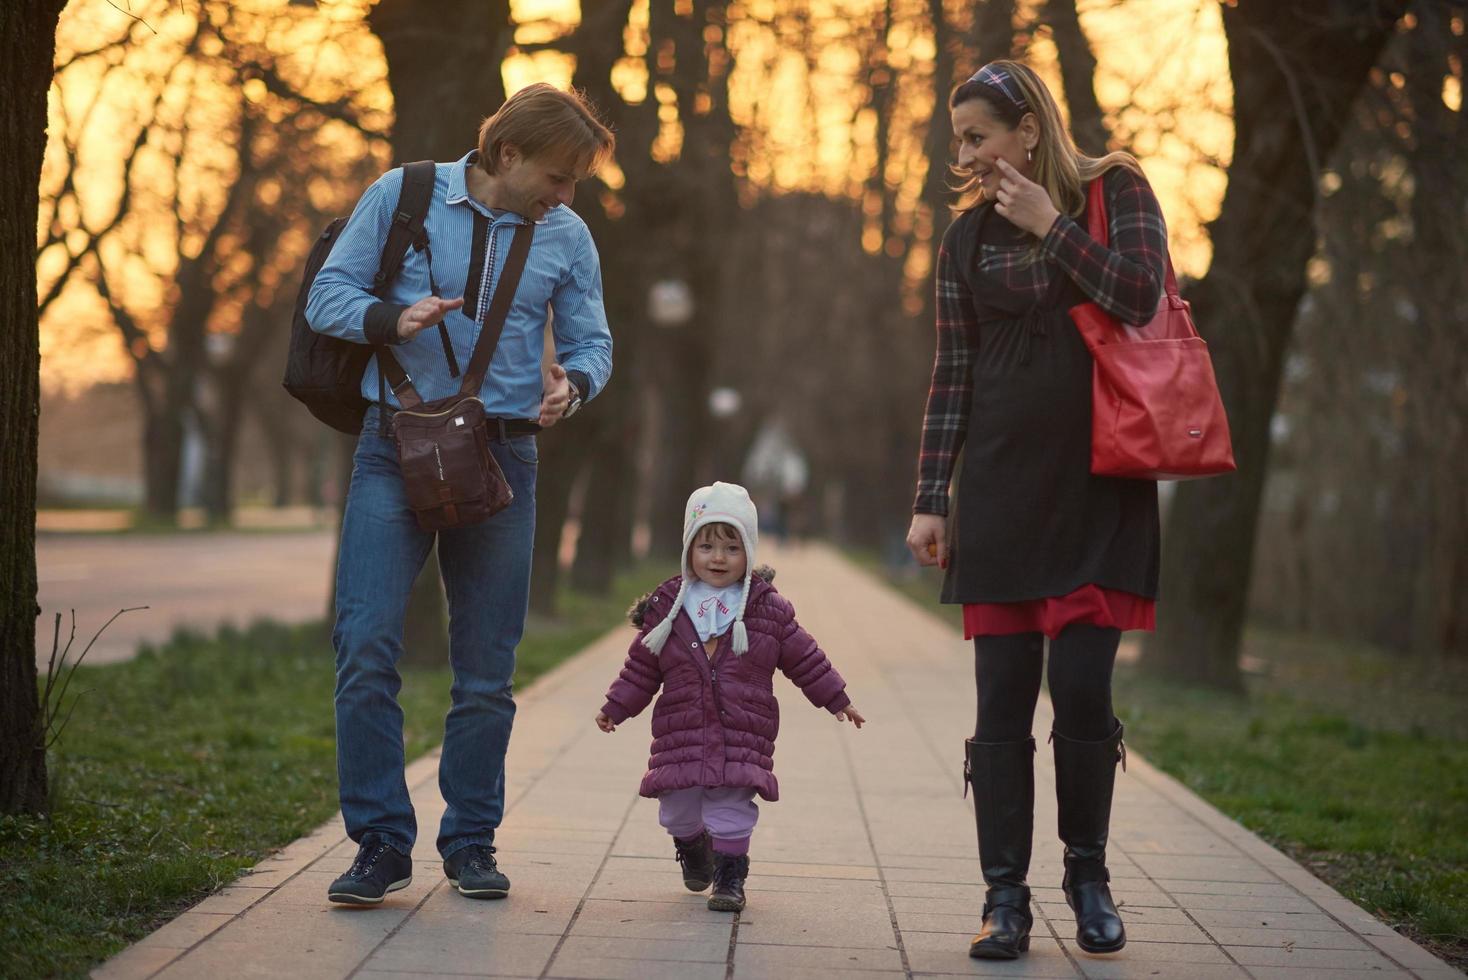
(472, 870)
(730, 870)
(379, 868)
(697, 860)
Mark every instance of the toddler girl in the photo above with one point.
(712, 638)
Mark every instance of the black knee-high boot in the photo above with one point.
(1085, 774)
(1002, 775)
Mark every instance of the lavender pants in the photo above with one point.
(729, 813)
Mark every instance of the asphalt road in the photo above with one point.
(196, 579)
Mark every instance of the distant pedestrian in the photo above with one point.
(711, 639)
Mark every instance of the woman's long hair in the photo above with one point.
(1060, 167)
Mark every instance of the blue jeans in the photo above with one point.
(486, 574)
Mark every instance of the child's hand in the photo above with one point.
(849, 713)
(604, 723)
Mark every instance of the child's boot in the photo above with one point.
(696, 857)
(1002, 775)
(1085, 773)
(730, 870)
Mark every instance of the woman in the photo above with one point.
(1038, 547)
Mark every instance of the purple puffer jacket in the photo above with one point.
(715, 724)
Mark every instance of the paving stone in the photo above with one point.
(187, 929)
(715, 950)
(1288, 938)
(1118, 966)
(599, 968)
(1313, 973)
(754, 959)
(137, 962)
(458, 950)
(1241, 919)
(1261, 906)
(1335, 959)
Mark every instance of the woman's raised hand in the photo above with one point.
(1025, 203)
(927, 539)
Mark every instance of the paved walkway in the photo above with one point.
(866, 868)
(195, 580)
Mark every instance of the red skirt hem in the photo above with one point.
(1090, 604)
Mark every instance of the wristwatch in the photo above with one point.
(575, 403)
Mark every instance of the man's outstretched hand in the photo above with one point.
(423, 314)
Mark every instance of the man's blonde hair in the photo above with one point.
(541, 121)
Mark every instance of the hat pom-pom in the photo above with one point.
(741, 638)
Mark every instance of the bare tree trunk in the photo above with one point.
(1297, 68)
(28, 38)
(1078, 75)
(436, 116)
(438, 111)
(1439, 240)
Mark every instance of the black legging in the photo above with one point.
(1007, 673)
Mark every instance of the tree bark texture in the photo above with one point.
(1297, 69)
(28, 38)
(437, 113)
(1078, 76)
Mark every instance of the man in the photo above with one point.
(531, 153)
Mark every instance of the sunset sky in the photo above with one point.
(1162, 77)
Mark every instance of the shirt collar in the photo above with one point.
(459, 192)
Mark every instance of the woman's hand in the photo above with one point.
(927, 539)
(604, 723)
(1024, 202)
(849, 713)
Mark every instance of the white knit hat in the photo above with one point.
(721, 503)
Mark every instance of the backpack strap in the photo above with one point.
(405, 232)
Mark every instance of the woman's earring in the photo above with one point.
(1030, 155)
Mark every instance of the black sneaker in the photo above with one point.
(379, 868)
(730, 870)
(472, 870)
(697, 860)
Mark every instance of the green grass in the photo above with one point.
(1351, 760)
(188, 764)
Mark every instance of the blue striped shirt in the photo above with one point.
(469, 245)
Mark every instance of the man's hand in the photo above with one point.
(423, 314)
(927, 539)
(557, 396)
(1025, 203)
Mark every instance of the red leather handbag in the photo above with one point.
(1155, 409)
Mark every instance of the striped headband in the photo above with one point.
(998, 78)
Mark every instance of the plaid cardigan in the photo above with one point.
(1125, 279)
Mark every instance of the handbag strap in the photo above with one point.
(489, 335)
(1099, 227)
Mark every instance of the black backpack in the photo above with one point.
(325, 373)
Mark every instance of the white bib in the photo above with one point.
(712, 610)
